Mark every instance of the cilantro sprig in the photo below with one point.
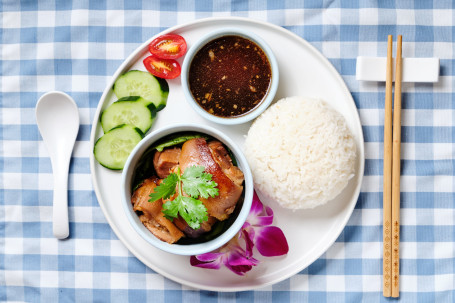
(194, 182)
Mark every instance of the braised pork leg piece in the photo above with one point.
(165, 161)
(152, 217)
(222, 157)
(197, 152)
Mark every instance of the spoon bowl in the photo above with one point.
(57, 117)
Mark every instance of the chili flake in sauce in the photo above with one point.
(230, 76)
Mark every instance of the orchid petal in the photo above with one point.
(262, 220)
(239, 270)
(247, 232)
(245, 226)
(237, 258)
(256, 206)
(209, 257)
(248, 236)
(270, 241)
(239, 263)
(211, 265)
(255, 216)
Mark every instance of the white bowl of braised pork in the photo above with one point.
(187, 189)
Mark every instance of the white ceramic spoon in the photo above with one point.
(57, 117)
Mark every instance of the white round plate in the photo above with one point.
(303, 72)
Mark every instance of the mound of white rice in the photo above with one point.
(301, 152)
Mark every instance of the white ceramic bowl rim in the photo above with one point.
(193, 249)
(225, 32)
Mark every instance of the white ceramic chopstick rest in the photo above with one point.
(57, 117)
(414, 69)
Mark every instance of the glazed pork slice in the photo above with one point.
(165, 161)
(197, 152)
(152, 217)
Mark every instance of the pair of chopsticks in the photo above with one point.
(391, 191)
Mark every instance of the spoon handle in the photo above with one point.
(60, 207)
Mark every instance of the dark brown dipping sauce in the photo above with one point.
(229, 76)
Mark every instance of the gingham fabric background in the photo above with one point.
(76, 47)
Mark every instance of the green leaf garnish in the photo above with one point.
(165, 189)
(194, 182)
(197, 183)
(190, 209)
(176, 140)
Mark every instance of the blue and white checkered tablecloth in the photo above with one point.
(76, 47)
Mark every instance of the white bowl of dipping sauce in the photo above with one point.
(230, 76)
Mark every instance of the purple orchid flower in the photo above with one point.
(232, 255)
(269, 240)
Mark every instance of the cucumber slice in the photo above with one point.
(144, 84)
(131, 110)
(114, 147)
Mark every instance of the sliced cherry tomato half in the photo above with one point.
(169, 46)
(162, 68)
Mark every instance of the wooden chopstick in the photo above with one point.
(387, 189)
(396, 174)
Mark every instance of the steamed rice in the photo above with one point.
(301, 152)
